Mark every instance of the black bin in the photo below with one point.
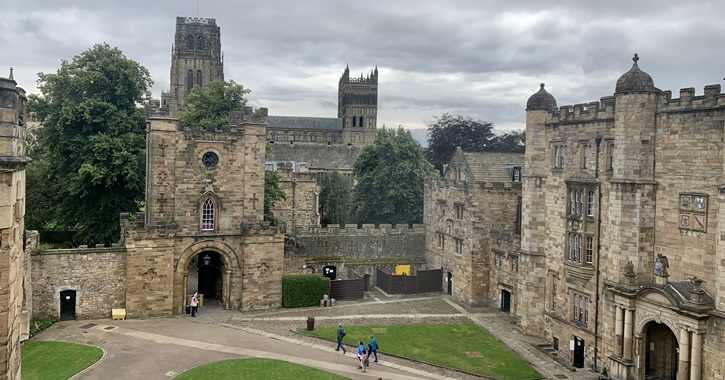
(310, 323)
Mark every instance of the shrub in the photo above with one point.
(304, 289)
(40, 325)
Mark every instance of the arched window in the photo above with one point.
(361, 121)
(190, 42)
(297, 137)
(334, 138)
(189, 81)
(198, 77)
(275, 136)
(207, 215)
(200, 45)
(313, 137)
(354, 120)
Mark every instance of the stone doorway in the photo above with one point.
(205, 276)
(661, 352)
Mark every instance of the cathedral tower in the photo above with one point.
(196, 59)
(357, 100)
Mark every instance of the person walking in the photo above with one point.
(195, 304)
(360, 352)
(340, 335)
(373, 348)
(363, 360)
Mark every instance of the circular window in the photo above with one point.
(210, 159)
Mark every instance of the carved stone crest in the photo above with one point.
(661, 265)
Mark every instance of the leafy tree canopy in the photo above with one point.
(390, 175)
(89, 165)
(449, 132)
(272, 193)
(335, 197)
(211, 105)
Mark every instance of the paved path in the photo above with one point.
(163, 348)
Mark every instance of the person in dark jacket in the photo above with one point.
(340, 335)
(373, 348)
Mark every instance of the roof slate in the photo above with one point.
(317, 156)
(299, 122)
(491, 167)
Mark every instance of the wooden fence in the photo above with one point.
(425, 281)
(347, 289)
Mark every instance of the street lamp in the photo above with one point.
(207, 259)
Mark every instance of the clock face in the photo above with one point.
(210, 159)
(699, 222)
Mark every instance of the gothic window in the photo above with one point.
(590, 249)
(198, 78)
(519, 216)
(297, 137)
(313, 137)
(553, 293)
(190, 42)
(354, 120)
(559, 155)
(581, 308)
(200, 45)
(459, 210)
(207, 215)
(590, 203)
(189, 81)
(361, 121)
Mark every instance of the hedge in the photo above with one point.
(304, 289)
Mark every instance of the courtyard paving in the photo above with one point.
(163, 348)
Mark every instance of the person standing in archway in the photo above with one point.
(195, 304)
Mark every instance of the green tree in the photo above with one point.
(90, 155)
(335, 198)
(272, 193)
(449, 132)
(211, 105)
(390, 176)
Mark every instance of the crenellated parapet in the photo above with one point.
(365, 230)
(688, 101)
(249, 115)
(584, 112)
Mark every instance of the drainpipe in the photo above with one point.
(598, 140)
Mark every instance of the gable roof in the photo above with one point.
(489, 167)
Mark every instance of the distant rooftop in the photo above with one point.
(299, 122)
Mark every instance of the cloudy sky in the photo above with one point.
(479, 58)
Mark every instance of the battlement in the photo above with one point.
(366, 230)
(688, 101)
(603, 109)
(263, 228)
(196, 20)
(249, 115)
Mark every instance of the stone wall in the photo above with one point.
(98, 275)
(355, 251)
(13, 160)
(304, 196)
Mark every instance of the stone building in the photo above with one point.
(13, 160)
(204, 211)
(624, 210)
(472, 220)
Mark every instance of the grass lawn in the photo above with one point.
(443, 344)
(56, 360)
(257, 369)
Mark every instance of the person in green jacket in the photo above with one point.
(373, 348)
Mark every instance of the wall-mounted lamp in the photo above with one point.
(207, 259)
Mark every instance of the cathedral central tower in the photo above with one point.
(196, 59)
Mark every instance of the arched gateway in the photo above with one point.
(203, 229)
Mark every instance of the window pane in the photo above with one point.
(207, 216)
